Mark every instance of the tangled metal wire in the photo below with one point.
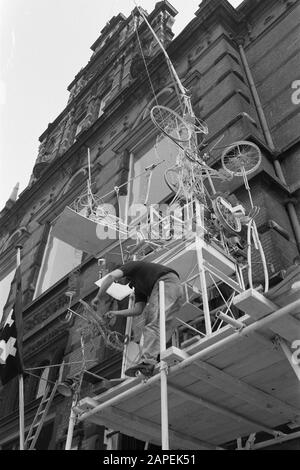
(99, 325)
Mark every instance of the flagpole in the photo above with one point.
(21, 412)
(21, 379)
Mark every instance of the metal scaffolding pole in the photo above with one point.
(163, 370)
(72, 422)
(197, 356)
(203, 284)
(127, 336)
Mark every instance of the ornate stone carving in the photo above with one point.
(44, 338)
(13, 238)
(60, 303)
(3, 241)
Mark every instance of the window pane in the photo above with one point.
(43, 382)
(164, 151)
(59, 259)
(5, 284)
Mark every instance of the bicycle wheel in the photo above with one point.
(179, 180)
(225, 216)
(208, 172)
(241, 158)
(171, 123)
(172, 179)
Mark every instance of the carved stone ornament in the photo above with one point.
(41, 342)
(13, 238)
(59, 304)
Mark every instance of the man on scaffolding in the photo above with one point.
(145, 277)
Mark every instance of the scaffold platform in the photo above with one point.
(228, 385)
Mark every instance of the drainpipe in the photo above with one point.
(263, 121)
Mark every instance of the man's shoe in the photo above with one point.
(144, 368)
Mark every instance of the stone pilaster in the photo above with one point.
(69, 130)
(91, 112)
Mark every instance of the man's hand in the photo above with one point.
(110, 314)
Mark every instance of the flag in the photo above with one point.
(11, 337)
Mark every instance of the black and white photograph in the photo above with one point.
(149, 228)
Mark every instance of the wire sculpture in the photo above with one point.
(99, 324)
(241, 158)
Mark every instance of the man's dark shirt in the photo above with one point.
(143, 275)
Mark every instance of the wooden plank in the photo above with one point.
(114, 391)
(182, 412)
(134, 406)
(142, 425)
(258, 306)
(279, 377)
(212, 430)
(183, 379)
(219, 429)
(179, 411)
(174, 355)
(236, 352)
(195, 424)
(115, 425)
(218, 408)
(272, 420)
(217, 336)
(289, 355)
(254, 304)
(287, 327)
(86, 404)
(236, 387)
(252, 364)
(223, 436)
(141, 399)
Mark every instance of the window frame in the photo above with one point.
(42, 381)
(7, 273)
(42, 270)
(134, 152)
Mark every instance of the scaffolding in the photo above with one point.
(223, 383)
(230, 372)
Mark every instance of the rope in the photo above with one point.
(58, 365)
(223, 298)
(127, 182)
(180, 90)
(145, 63)
(41, 378)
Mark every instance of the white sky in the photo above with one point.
(43, 45)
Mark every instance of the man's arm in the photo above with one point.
(112, 277)
(129, 312)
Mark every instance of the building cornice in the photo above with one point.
(160, 6)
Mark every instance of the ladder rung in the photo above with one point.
(38, 420)
(45, 401)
